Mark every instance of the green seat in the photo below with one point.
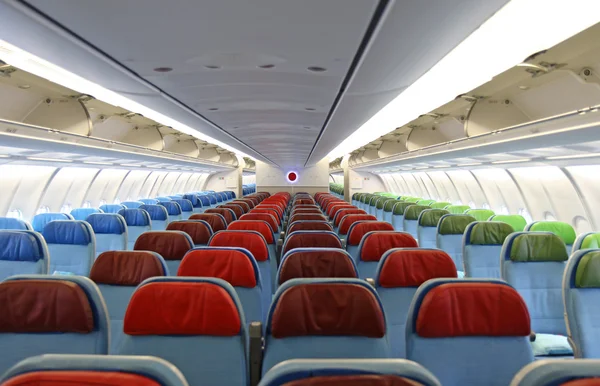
(457, 209)
(561, 229)
(516, 221)
(480, 214)
(411, 217)
(427, 227)
(439, 205)
(449, 236)
(589, 240)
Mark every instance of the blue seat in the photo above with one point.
(411, 219)
(398, 215)
(83, 213)
(42, 314)
(22, 252)
(112, 208)
(469, 331)
(158, 215)
(170, 245)
(117, 274)
(132, 204)
(559, 372)
(427, 227)
(40, 220)
(400, 272)
(173, 210)
(581, 291)
(213, 199)
(205, 201)
(482, 244)
(138, 221)
(149, 201)
(316, 262)
(163, 199)
(89, 370)
(197, 324)
(325, 318)
(534, 264)
(72, 246)
(236, 266)
(196, 202)
(375, 244)
(373, 372)
(9, 223)
(110, 230)
(187, 209)
(450, 231)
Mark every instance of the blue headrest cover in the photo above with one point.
(83, 213)
(149, 201)
(40, 220)
(194, 200)
(205, 200)
(67, 232)
(212, 198)
(185, 205)
(157, 212)
(163, 199)
(13, 223)
(21, 246)
(132, 204)
(135, 217)
(173, 208)
(107, 223)
(112, 208)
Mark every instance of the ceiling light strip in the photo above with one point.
(574, 156)
(512, 161)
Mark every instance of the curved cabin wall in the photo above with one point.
(570, 194)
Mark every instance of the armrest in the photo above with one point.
(256, 352)
(532, 336)
(370, 281)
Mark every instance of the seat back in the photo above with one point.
(173, 210)
(117, 274)
(41, 219)
(243, 204)
(43, 314)
(112, 208)
(170, 245)
(187, 208)
(559, 372)
(333, 209)
(480, 214)
(308, 217)
(269, 217)
(482, 244)
(351, 372)
(590, 240)
(375, 244)
(581, 291)
(458, 328)
(237, 267)
(205, 201)
(349, 219)
(411, 218)
(457, 209)
(427, 227)
(22, 252)
(310, 239)
(259, 226)
(138, 221)
(440, 205)
(379, 208)
(228, 214)
(325, 318)
(149, 201)
(83, 213)
(195, 200)
(158, 215)
(517, 222)
(197, 324)
(339, 215)
(400, 272)
(307, 225)
(89, 370)
(357, 231)
(72, 246)
(163, 199)
(237, 209)
(562, 229)
(534, 264)
(277, 211)
(450, 230)
(216, 221)
(132, 204)
(316, 262)
(9, 223)
(199, 230)
(110, 230)
(388, 208)
(398, 214)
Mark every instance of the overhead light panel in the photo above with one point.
(97, 163)
(518, 30)
(574, 156)
(470, 164)
(511, 161)
(37, 66)
(48, 159)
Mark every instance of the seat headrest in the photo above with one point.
(193, 199)
(412, 212)
(457, 209)
(171, 245)
(268, 217)
(112, 208)
(132, 204)
(309, 216)
(408, 267)
(163, 199)
(216, 221)
(431, 217)
(22, 246)
(204, 200)
(375, 244)
(457, 307)
(517, 222)
(183, 306)
(156, 212)
(487, 233)
(590, 241)
(234, 265)
(40, 220)
(228, 214)
(199, 230)
(107, 223)
(44, 306)
(250, 240)
(135, 217)
(562, 229)
(355, 380)
(339, 215)
(243, 204)
(534, 246)
(327, 307)
(348, 220)
(261, 227)
(68, 232)
(311, 239)
(172, 207)
(439, 205)
(587, 271)
(316, 262)
(307, 225)
(83, 213)
(361, 228)
(10, 223)
(127, 268)
(400, 207)
(149, 201)
(237, 209)
(454, 224)
(480, 214)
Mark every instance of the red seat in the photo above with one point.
(332, 209)
(126, 268)
(237, 209)
(311, 239)
(267, 217)
(305, 225)
(200, 231)
(259, 226)
(309, 217)
(243, 204)
(350, 219)
(171, 245)
(411, 267)
(270, 212)
(361, 228)
(321, 262)
(339, 215)
(215, 220)
(228, 214)
(376, 243)
(250, 240)
(275, 207)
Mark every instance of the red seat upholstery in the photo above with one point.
(410, 267)
(309, 217)
(200, 231)
(270, 212)
(250, 240)
(311, 239)
(350, 219)
(231, 265)
(228, 214)
(237, 209)
(216, 221)
(259, 226)
(171, 245)
(321, 262)
(361, 228)
(339, 214)
(267, 217)
(126, 268)
(309, 226)
(332, 209)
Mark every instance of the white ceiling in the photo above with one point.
(262, 110)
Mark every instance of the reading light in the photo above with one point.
(520, 28)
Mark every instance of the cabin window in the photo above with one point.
(15, 213)
(525, 213)
(66, 208)
(43, 209)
